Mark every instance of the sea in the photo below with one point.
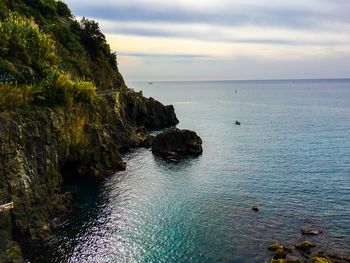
(290, 157)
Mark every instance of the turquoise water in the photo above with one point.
(290, 156)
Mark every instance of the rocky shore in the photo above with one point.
(40, 149)
(303, 252)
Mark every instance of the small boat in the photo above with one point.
(150, 83)
(238, 123)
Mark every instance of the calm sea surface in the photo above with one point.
(290, 156)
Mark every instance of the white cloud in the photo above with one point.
(225, 31)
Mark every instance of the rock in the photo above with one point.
(143, 138)
(318, 259)
(293, 259)
(287, 260)
(175, 143)
(305, 246)
(347, 259)
(280, 251)
(274, 246)
(147, 112)
(273, 260)
(310, 232)
(255, 208)
(280, 254)
(147, 143)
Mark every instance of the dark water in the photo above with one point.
(290, 156)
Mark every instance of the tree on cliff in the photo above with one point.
(80, 45)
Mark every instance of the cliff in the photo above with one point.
(54, 122)
(40, 149)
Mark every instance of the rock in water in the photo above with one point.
(274, 246)
(176, 143)
(287, 260)
(317, 259)
(280, 254)
(309, 232)
(305, 246)
(255, 208)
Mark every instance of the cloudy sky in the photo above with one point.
(224, 39)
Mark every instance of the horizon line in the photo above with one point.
(243, 80)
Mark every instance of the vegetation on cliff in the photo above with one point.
(30, 66)
(49, 58)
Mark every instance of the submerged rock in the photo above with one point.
(274, 246)
(293, 259)
(287, 260)
(280, 254)
(309, 232)
(176, 143)
(273, 260)
(318, 259)
(305, 246)
(280, 251)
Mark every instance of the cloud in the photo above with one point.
(232, 13)
(239, 68)
(252, 33)
(160, 55)
(331, 35)
(223, 50)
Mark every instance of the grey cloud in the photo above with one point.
(291, 17)
(135, 31)
(165, 56)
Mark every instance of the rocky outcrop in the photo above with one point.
(176, 143)
(40, 148)
(149, 113)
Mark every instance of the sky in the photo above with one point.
(224, 39)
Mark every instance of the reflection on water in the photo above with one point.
(290, 157)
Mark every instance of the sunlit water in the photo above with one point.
(290, 156)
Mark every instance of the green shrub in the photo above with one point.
(14, 95)
(58, 89)
(80, 47)
(26, 51)
(62, 89)
(29, 69)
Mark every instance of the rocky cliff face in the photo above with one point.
(40, 148)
